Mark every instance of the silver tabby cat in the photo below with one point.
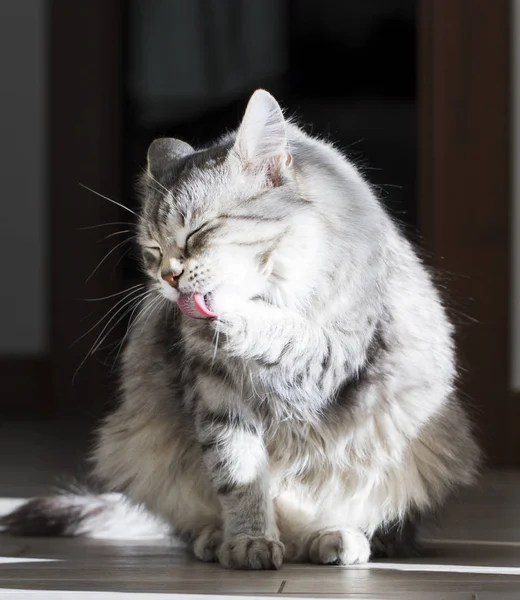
(295, 398)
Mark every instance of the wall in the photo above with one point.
(515, 234)
(183, 59)
(22, 177)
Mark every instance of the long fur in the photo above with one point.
(317, 418)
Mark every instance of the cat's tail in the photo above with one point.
(101, 516)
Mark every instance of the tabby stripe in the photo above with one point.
(326, 363)
(227, 421)
(218, 371)
(257, 242)
(238, 490)
(250, 218)
(208, 446)
(226, 489)
(270, 364)
(202, 238)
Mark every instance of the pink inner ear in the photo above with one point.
(274, 170)
(274, 176)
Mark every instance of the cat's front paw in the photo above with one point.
(207, 542)
(251, 552)
(339, 547)
(231, 329)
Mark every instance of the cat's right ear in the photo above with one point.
(262, 136)
(163, 152)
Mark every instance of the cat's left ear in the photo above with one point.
(262, 136)
(164, 152)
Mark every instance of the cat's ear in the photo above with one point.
(262, 136)
(163, 152)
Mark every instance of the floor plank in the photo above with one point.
(473, 554)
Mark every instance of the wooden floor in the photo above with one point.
(475, 554)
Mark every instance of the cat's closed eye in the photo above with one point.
(153, 252)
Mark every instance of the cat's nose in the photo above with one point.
(172, 279)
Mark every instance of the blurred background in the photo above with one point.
(420, 94)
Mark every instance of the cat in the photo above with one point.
(293, 398)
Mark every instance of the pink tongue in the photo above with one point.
(194, 306)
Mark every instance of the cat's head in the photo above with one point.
(227, 223)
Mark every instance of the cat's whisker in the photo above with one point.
(112, 346)
(106, 225)
(107, 255)
(164, 190)
(102, 336)
(133, 293)
(147, 172)
(123, 255)
(157, 306)
(109, 199)
(154, 305)
(97, 344)
(131, 325)
(110, 235)
(139, 285)
(131, 320)
(158, 190)
(215, 339)
(141, 315)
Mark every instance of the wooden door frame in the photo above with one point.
(86, 148)
(465, 195)
(84, 132)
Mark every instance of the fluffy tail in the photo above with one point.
(100, 516)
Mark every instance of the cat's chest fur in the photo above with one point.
(313, 464)
(274, 394)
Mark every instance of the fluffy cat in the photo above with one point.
(301, 404)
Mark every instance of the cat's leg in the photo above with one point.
(313, 539)
(338, 546)
(236, 460)
(334, 545)
(348, 546)
(206, 542)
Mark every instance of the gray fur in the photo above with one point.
(319, 411)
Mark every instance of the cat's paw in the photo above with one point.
(207, 543)
(232, 333)
(339, 547)
(251, 552)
